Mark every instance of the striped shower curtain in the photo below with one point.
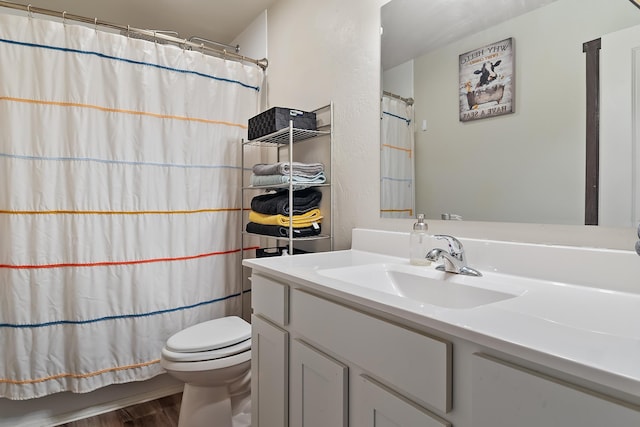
(119, 201)
(397, 190)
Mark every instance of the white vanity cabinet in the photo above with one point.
(367, 347)
(344, 366)
(320, 360)
(508, 395)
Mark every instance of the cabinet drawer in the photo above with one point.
(270, 299)
(409, 362)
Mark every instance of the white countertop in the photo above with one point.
(585, 331)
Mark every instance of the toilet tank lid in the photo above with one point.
(210, 335)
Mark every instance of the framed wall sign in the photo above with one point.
(487, 81)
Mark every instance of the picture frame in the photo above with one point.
(487, 81)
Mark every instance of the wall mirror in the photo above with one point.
(527, 166)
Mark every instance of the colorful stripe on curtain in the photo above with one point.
(119, 201)
(396, 159)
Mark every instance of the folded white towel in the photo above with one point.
(309, 170)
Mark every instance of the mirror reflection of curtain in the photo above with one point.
(397, 194)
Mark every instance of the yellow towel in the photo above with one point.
(304, 220)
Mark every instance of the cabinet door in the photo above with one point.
(318, 388)
(378, 406)
(507, 395)
(269, 374)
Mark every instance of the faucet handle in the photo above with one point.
(455, 246)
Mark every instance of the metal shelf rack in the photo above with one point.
(287, 138)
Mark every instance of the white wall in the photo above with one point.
(321, 51)
(619, 71)
(253, 44)
(252, 39)
(399, 79)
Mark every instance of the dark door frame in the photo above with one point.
(592, 50)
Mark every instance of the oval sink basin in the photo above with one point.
(416, 284)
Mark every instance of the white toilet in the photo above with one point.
(214, 361)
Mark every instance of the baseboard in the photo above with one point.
(111, 406)
(63, 408)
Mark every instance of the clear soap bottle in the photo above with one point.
(419, 242)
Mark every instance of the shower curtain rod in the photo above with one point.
(194, 39)
(262, 63)
(408, 101)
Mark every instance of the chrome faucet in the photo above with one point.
(454, 259)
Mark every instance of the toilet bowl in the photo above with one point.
(213, 359)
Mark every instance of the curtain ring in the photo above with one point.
(155, 38)
(128, 30)
(95, 24)
(224, 54)
(64, 18)
(29, 12)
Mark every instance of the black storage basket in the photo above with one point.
(277, 118)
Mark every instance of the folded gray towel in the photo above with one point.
(298, 181)
(309, 170)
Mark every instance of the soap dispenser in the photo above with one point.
(419, 243)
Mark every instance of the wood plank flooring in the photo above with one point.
(162, 412)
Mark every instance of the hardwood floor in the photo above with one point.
(156, 413)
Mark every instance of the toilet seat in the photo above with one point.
(238, 363)
(200, 356)
(214, 339)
